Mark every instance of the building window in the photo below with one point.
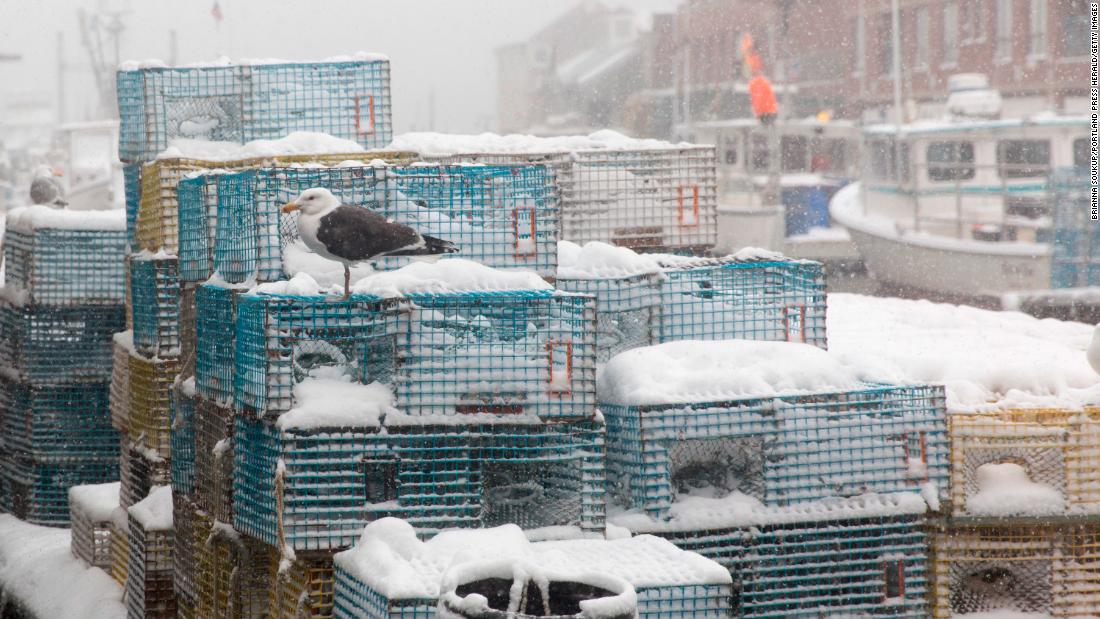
(1075, 28)
(950, 161)
(950, 33)
(1038, 28)
(922, 36)
(972, 24)
(1081, 149)
(886, 49)
(1004, 30)
(1023, 158)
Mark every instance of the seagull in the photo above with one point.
(349, 234)
(46, 189)
(1093, 352)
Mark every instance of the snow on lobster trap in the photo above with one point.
(149, 587)
(59, 257)
(857, 557)
(782, 423)
(45, 344)
(1075, 252)
(643, 194)
(91, 509)
(643, 577)
(995, 565)
(65, 420)
(315, 487)
(501, 216)
(345, 97)
(1025, 462)
(155, 303)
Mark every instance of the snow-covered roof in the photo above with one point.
(390, 559)
(949, 125)
(296, 143)
(441, 144)
(225, 61)
(717, 371)
(27, 219)
(97, 501)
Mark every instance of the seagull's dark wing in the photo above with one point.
(356, 233)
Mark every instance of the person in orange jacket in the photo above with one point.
(763, 99)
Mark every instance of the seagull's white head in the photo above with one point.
(313, 201)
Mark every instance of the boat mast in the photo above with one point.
(895, 19)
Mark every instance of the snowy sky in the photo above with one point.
(445, 45)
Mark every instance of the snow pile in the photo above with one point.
(442, 145)
(390, 559)
(454, 275)
(39, 572)
(225, 61)
(335, 401)
(296, 143)
(97, 501)
(1006, 490)
(985, 359)
(740, 510)
(596, 260)
(702, 371)
(27, 219)
(154, 512)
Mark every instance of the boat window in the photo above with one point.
(828, 155)
(950, 161)
(1081, 156)
(795, 149)
(729, 150)
(759, 161)
(1023, 158)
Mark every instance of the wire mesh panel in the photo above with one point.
(650, 199)
(191, 528)
(354, 599)
(837, 567)
(509, 353)
(157, 221)
(1075, 253)
(1056, 451)
(66, 267)
(627, 310)
(119, 395)
(501, 216)
(214, 459)
(183, 436)
(91, 523)
(151, 382)
(782, 451)
(68, 420)
(38, 488)
(139, 470)
(155, 302)
(775, 300)
(232, 575)
(239, 103)
(120, 548)
(282, 340)
(301, 588)
(187, 328)
(215, 341)
(59, 344)
(131, 185)
(312, 490)
(149, 587)
(1044, 568)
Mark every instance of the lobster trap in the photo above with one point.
(183, 437)
(501, 216)
(149, 587)
(38, 488)
(213, 428)
(835, 563)
(215, 342)
(240, 103)
(138, 471)
(59, 344)
(66, 420)
(282, 340)
(1075, 252)
(91, 523)
(151, 383)
(769, 299)
(122, 346)
(1050, 568)
(301, 588)
(119, 551)
(157, 219)
(57, 266)
(781, 451)
(155, 302)
(1058, 449)
(191, 528)
(317, 489)
(131, 187)
(655, 199)
(506, 353)
(233, 575)
(627, 310)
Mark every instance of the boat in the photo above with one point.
(968, 213)
(818, 157)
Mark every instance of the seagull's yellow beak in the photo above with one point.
(290, 207)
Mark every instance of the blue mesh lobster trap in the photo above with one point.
(501, 216)
(215, 336)
(239, 103)
(317, 489)
(66, 267)
(59, 344)
(834, 565)
(1075, 254)
(281, 340)
(68, 420)
(37, 489)
(183, 437)
(155, 303)
(131, 186)
(782, 451)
